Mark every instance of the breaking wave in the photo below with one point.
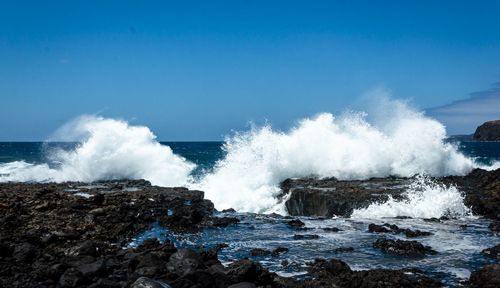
(109, 149)
(425, 199)
(403, 143)
(396, 141)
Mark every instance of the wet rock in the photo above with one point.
(259, 252)
(229, 210)
(388, 228)
(305, 236)
(493, 252)
(495, 226)
(144, 282)
(403, 248)
(296, 223)
(321, 267)
(331, 229)
(328, 197)
(279, 250)
(184, 262)
(486, 277)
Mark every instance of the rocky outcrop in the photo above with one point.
(482, 191)
(488, 131)
(336, 273)
(328, 197)
(73, 234)
(403, 247)
(77, 235)
(486, 277)
(388, 228)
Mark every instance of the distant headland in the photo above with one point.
(488, 131)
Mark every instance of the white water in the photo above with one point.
(425, 199)
(403, 143)
(398, 141)
(110, 149)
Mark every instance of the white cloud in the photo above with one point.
(463, 116)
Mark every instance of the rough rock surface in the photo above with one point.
(488, 131)
(403, 247)
(52, 237)
(486, 277)
(392, 228)
(329, 197)
(493, 252)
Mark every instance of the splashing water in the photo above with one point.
(110, 149)
(401, 142)
(425, 199)
(348, 147)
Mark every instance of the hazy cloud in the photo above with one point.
(463, 116)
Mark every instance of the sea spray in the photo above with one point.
(108, 149)
(424, 198)
(348, 147)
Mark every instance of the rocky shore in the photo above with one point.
(80, 235)
(329, 197)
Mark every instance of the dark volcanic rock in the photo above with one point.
(329, 197)
(144, 282)
(482, 191)
(335, 273)
(488, 131)
(486, 277)
(402, 247)
(493, 252)
(305, 236)
(296, 223)
(260, 252)
(388, 228)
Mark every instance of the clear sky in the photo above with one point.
(194, 70)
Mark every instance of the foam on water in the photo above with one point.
(395, 140)
(402, 143)
(425, 199)
(109, 149)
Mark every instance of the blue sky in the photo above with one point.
(197, 70)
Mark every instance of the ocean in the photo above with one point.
(244, 173)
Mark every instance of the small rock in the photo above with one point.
(402, 247)
(305, 236)
(259, 252)
(183, 262)
(144, 282)
(296, 223)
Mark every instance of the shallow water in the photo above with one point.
(458, 246)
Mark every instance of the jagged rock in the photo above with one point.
(388, 228)
(493, 252)
(486, 277)
(296, 223)
(403, 248)
(144, 282)
(184, 262)
(329, 197)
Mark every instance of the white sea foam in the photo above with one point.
(395, 140)
(402, 143)
(425, 199)
(109, 149)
